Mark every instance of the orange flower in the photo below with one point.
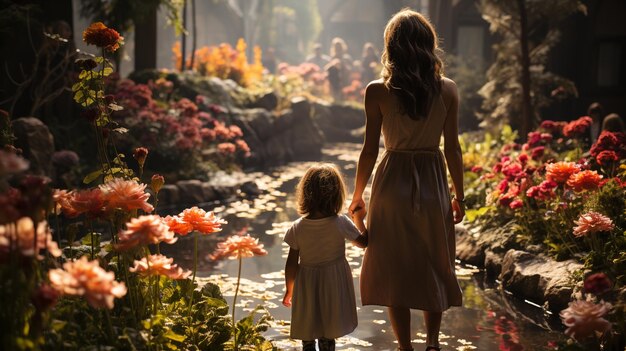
(560, 172)
(20, 236)
(75, 203)
(194, 219)
(86, 278)
(584, 180)
(592, 222)
(145, 230)
(101, 36)
(126, 195)
(238, 246)
(159, 265)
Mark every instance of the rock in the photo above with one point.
(250, 188)
(268, 102)
(169, 195)
(191, 192)
(224, 192)
(307, 139)
(339, 123)
(538, 279)
(208, 192)
(493, 264)
(37, 143)
(472, 244)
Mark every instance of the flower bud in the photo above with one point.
(157, 182)
(140, 154)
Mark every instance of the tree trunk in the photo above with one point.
(183, 39)
(146, 40)
(194, 34)
(527, 114)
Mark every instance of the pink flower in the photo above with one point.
(73, 204)
(159, 265)
(560, 172)
(126, 195)
(597, 284)
(86, 278)
(194, 219)
(20, 237)
(584, 319)
(592, 222)
(238, 246)
(584, 180)
(11, 163)
(515, 204)
(226, 148)
(145, 230)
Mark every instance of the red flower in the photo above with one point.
(477, 169)
(140, 154)
(537, 152)
(606, 158)
(578, 127)
(101, 36)
(598, 283)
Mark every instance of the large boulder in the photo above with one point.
(538, 279)
(191, 192)
(37, 143)
(473, 242)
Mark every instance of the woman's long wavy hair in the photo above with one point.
(412, 70)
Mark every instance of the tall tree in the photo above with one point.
(518, 84)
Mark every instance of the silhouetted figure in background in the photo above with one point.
(595, 111)
(613, 123)
(269, 60)
(318, 58)
(338, 68)
(369, 63)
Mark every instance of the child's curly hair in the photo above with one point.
(321, 190)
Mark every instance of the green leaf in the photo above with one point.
(107, 71)
(92, 176)
(57, 325)
(472, 214)
(173, 336)
(86, 240)
(77, 86)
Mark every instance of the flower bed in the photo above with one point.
(98, 279)
(566, 196)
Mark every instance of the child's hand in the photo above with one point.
(287, 299)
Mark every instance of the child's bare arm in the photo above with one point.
(291, 270)
(362, 240)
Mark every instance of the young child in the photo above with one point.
(320, 284)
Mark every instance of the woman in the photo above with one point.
(409, 262)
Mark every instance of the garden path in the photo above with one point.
(484, 322)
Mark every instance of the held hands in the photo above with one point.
(287, 299)
(458, 211)
(357, 205)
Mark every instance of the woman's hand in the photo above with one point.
(287, 299)
(458, 211)
(356, 205)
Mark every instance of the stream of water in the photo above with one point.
(488, 320)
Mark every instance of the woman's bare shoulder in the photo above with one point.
(448, 90)
(376, 88)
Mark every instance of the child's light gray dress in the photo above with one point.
(323, 302)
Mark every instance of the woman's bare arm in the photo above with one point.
(452, 147)
(369, 152)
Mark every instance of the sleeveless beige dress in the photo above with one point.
(409, 261)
